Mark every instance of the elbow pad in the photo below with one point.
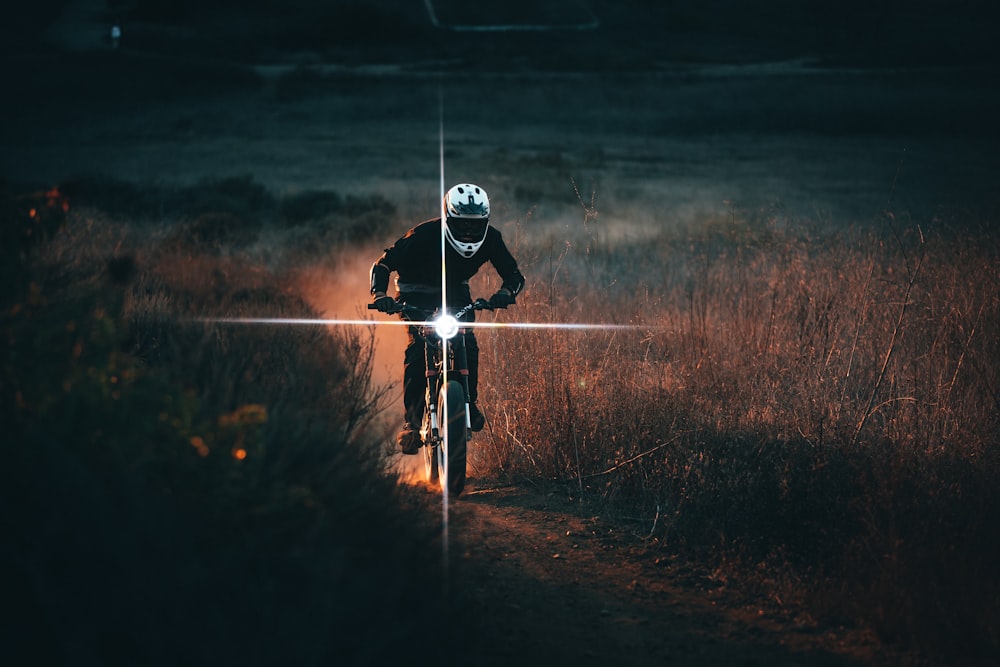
(379, 278)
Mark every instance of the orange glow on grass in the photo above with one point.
(253, 413)
(199, 444)
(55, 198)
(410, 471)
(239, 454)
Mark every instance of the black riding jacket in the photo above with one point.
(416, 258)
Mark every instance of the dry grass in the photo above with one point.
(175, 491)
(815, 407)
(811, 413)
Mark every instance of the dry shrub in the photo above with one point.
(822, 404)
(178, 491)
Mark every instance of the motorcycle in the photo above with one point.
(446, 427)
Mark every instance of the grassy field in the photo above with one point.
(813, 414)
(156, 466)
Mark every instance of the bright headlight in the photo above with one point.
(446, 326)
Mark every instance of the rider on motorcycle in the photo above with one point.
(416, 259)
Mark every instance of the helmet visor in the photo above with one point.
(468, 230)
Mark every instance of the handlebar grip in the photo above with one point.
(478, 304)
(397, 308)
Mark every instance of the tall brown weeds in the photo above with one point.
(177, 491)
(822, 403)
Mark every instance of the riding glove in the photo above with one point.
(502, 299)
(384, 304)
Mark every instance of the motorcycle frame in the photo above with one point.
(436, 365)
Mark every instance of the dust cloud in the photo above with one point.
(339, 289)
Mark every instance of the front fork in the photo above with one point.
(433, 364)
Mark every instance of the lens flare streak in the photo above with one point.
(302, 321)
(299, 321)
(553, 325)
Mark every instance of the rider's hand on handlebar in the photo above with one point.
(383, 303)
(502, 299)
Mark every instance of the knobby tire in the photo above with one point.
(455, 435)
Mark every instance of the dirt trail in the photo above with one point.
(565, 587)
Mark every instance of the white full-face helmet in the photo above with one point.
(467, 218)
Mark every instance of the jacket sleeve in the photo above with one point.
(391, 260)
(379, 275)
(506, 266)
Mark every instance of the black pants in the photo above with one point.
(415, 378)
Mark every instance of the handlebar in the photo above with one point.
(421, 313)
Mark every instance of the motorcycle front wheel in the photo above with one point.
(449, 457)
